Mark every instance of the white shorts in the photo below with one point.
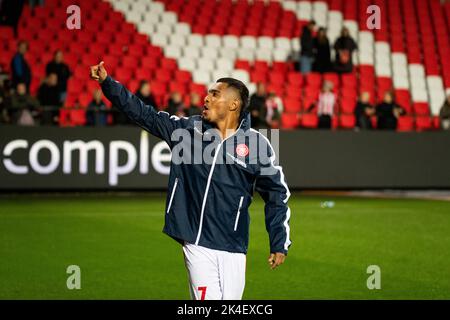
(214, 274)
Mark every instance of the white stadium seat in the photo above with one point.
(231, 41)
(224, 64)
(168, 18)
(265, 43)
(281, 55)
(206, 64)
(195, 40)
(165, 29)
(158, 39)
(283, 43)
(246, 54)
(213, 41)
(241, 75)
(151, 17)
(201, 76)
(264, 55)
(248, 42)
(209, 53)
(182, 29)
(173, 52)
(227, 53)
(191, 52)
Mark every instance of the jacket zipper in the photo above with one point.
(171, 196)
(238, 213)
(209, 182)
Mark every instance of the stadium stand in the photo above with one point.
(185, 45)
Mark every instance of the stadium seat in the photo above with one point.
(347, 121)
(309, 121)
(405, 123)
(289, 120)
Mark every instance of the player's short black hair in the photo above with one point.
(241, 88)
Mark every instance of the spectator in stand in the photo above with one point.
(96, 114)
(144, 93)
(325, 105)
(257, 106)
(175, 105)
(388, 112)
(48, 93)
(21, 72)
(62, 70)
(10, 12)
(364, 112)
(5, 101)
(48, 96)
(344, 46)
(322, 53)
(195, 107)
(444, 114)
(307, 47)
(274, 107)
(23, 106)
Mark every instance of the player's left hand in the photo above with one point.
(276, 259)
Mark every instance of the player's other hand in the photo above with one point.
(276, 259)
(98, 72)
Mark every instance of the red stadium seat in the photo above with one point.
(347, 121)
(421, 109)
(77, 117)
(84, 99)
(289, 120)
(295, 78)
(309, 120)
(405, 123)
(143, 74)
(313, 79)
(183, 76)
(292, 105)
(348, 105)
(424, 123)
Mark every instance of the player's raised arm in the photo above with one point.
(272, 187)
(160, 124)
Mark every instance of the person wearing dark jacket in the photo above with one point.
(144, 93)
(322, 53)
(444, 114)
(62, 70)
(257, 107)
(23, 109)
(48, 93)
(195, 105)
(388, 112)
(175, 105)
(96, 114)
(10, 12)
(363, 112)
(207, 205)
(307, 47)
(49, 98)
(344, 46)
(21, 72)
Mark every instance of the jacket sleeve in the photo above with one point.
(272, 187)
(158, 123)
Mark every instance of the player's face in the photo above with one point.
(217, 103)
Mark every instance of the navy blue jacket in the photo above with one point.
(211, 180)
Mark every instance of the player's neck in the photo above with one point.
(227, 126)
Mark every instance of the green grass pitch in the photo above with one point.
(118, 244)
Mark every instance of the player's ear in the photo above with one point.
(234, 104)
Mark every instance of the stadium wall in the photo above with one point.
(127, 158)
